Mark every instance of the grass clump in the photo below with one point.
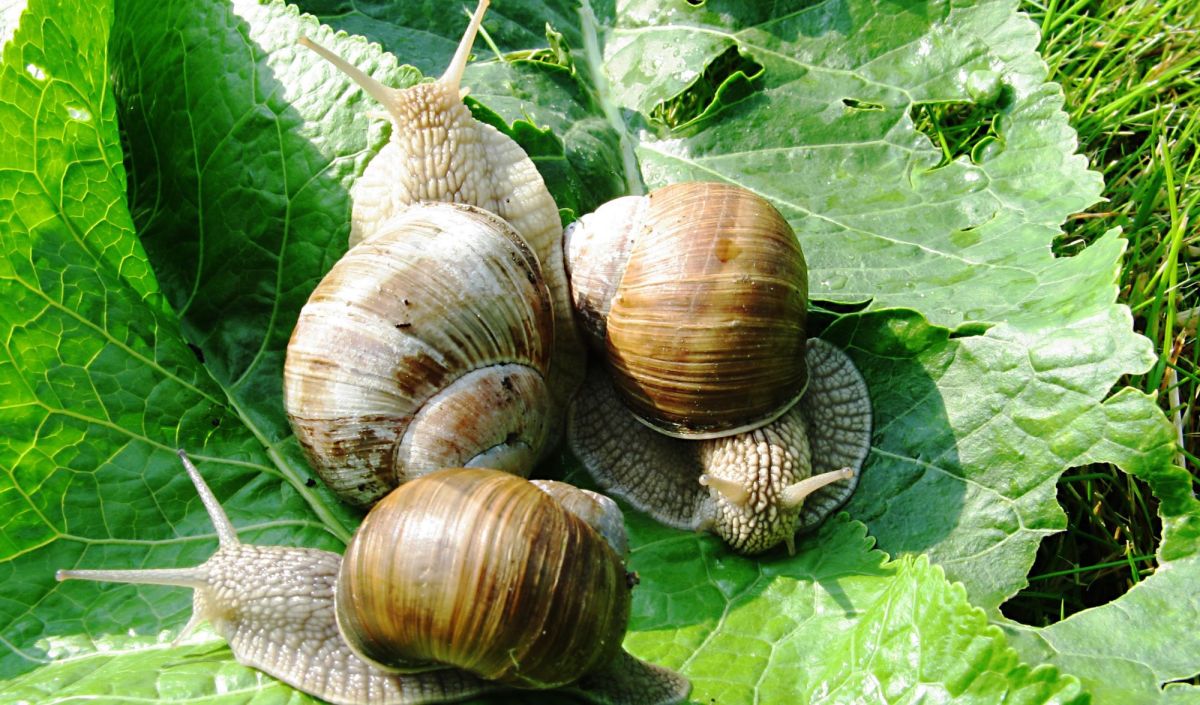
(1131, 74)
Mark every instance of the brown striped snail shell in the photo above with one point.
(698, 293)
(423, 582)
(729, 418)
(355, 399)
(499, 552)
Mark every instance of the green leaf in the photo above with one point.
(838, 623)
(972, 433)
(145, 314)
(99, 383)
(1140, 648)
(880, 220)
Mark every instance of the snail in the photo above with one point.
(401, 358)
(426, 346)
(720, 413)
(495, 584)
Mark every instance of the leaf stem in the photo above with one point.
(595, 62)
(292, 476)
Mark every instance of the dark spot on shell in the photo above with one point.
(368, 439)
(405, 301)
(401, 326)
(420, 373)
(362, 487)
(507, 383)
(727, 249)
(521, 264)
(511, 438)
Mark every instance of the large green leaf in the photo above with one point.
(143, 316)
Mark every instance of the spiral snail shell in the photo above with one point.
(697, 293)
(532, 607)
(426, 346)
(421, 584)
(712, 410)
(413, 317)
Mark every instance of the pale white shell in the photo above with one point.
(425, 347)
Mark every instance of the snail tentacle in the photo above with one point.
(274, 605)
(755, 489)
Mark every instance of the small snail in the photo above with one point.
(740, 424)
(409, 326)
(496, 585)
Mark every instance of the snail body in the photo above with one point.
(284, 610)
(713, 409)
(438, 153)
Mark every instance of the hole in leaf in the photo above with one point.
(963, 127)
(1112, 534)
(1194, 680)
(970, 329)
(696, 3)
(727, 79)
(197, 352)
(856, 104)
(557, 53)
(839, 308)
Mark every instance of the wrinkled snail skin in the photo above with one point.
(439, 153)
(712, 409)
(755, 489)
(396, 367)
(274, 605)
(279, 610)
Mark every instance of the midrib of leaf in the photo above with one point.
(729, 603)
(152, 364)
(876, 450)
(595, 63)
(199, 196)
(293, 476)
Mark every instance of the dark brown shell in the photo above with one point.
(705, 329)
(483, 571)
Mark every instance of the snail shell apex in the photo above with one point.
(425, 347)
(464, 567)
(699, 293)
